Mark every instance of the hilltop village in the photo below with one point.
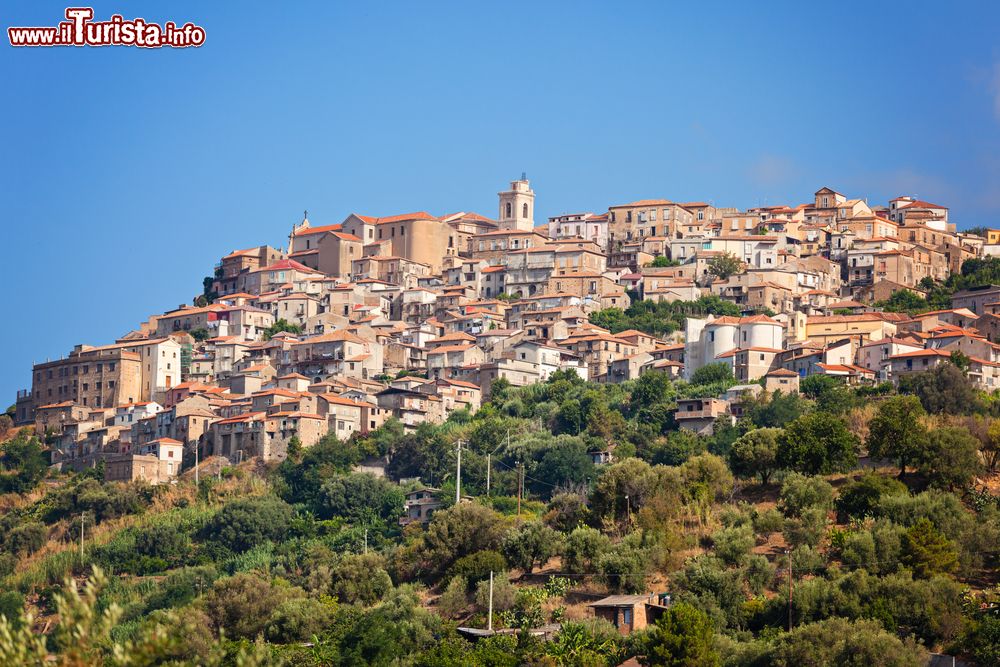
(662, 434)
(415, 315)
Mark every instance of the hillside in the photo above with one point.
(305, 562)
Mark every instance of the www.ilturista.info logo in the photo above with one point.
(80, 30)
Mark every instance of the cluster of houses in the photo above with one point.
(415, 316)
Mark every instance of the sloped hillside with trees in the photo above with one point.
(831, 526)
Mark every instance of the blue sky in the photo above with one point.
(127, 173)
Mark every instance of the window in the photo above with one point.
(508, 210)
(524, 210)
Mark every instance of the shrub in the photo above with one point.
(242, 605)
(806, 529)
(360, 498)
(800, 493)
(360, 579)
(164, 541)
(584, 547)
(531, 544)
(477, 567)
(732, 544)
(503, 592)
(298, 619)
(27, 538)
(859, 498)
(181, 587)
(838, 641)
(244, 523)
(767, 522)
(454, 599)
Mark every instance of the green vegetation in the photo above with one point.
(662, 261)
(279, 326)
(660, 317)
(725, 265)
(305, 562)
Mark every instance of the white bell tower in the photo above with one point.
(517, 206)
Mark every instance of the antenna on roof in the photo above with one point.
(524, 175)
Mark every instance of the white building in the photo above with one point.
(707, 340)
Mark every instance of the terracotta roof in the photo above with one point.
(288, 265)
(317, 230)
(419, 215)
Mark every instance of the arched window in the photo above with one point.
(524, 210)
(507, 215)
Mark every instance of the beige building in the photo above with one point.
(156, 462)
(647, 217)
(240, 262)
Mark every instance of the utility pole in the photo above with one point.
(489, 617)
(82, 515)
(488, 466)
(458, 473)
(628, 510)
(366, 541)
(789, 552)
(196, 464)
(520, 486)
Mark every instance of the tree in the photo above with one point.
(83, 636)
(301, 480)
(567, 511)
(458, 531)
(663, 261)
(944, 389)
(725, 265)
(676, 448)
(755, 454)
(242, 604)
(280, 326)
(623, 567)
(360, 579)
(683, 636)
(711, 373)
(904, 301)
(777, 409)
(860, 498)
(991, 446)
(733, 543)
(896, 431)
(839, 641)
(584, 547)
(360, 498)
(298, 619)
(454, 599)
(817, 444)
(565, 463)
(531, 544)
(247, 522)
(23, 463)
(927, 552)
(477, 567)
(951, 458)
(26, 537)
(503, 592)
(800, 493)
(982, 640)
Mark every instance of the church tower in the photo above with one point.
(517, 206)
